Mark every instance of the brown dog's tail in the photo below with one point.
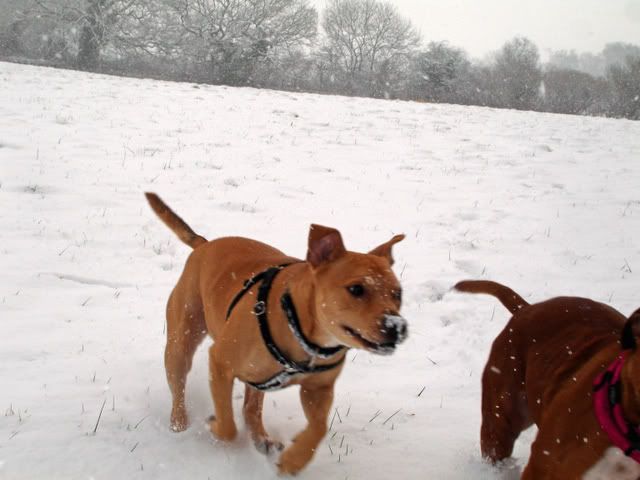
(508, 297)
(174, 222)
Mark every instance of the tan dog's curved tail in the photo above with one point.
(510, 299)
(174, 222)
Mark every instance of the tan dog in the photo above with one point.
(542, 369)
(276, 321)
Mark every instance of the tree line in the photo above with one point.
(355, 47)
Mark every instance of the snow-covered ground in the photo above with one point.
(547, 204)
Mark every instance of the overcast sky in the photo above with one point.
(482, 26)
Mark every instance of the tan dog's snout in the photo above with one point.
(395, 328)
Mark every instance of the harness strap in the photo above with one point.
(607, 399)
(294, 324)
(280, 379)
(608, 409)
(247, 286)
(260, 310)
(291, 367)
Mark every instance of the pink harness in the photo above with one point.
(607, 403)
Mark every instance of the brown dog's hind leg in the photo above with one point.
(185, 331)
(316, 403)
(252, 410)
(222, 424)
(499, 434)
(505, 413)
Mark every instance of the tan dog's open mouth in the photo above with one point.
(386, 348)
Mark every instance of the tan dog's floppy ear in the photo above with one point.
(384, 250)
(325, 245)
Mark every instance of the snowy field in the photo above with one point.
(547, 204)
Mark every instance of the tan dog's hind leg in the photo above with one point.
(222, 424)
(316, 404)
(253, 400)
(185, 331)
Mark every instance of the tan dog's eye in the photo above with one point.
(356, 290)
(397, 295)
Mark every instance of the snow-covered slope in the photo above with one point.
(547, 204)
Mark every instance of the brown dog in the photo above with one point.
(542, 369)
(276, 321)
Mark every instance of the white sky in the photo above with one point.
(482, 26)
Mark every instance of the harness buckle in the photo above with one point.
(259, 308)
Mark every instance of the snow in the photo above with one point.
(614, 464)
(547, 204)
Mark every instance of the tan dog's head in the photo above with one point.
(357, 295)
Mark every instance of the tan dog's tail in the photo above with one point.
(174, 222)
(508, 297)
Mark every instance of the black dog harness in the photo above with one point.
(291, 367)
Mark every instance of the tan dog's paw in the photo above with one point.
(291, 461)
(225, 434)
(268, 447)
(179, 420)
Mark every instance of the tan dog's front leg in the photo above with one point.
(316, 403)
(252, 410)
(221, 377)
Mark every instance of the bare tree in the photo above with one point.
(94, 24)
(625, 81)
(574, 92)
(617, 53)
(439, 73)
(564, 60)
(368, 42)
(13, 21)
(229, 39)
(595, 64)
(517, 70)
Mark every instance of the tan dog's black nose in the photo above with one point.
(395, 328)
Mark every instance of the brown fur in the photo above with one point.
(540, 371)
(214, 273)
